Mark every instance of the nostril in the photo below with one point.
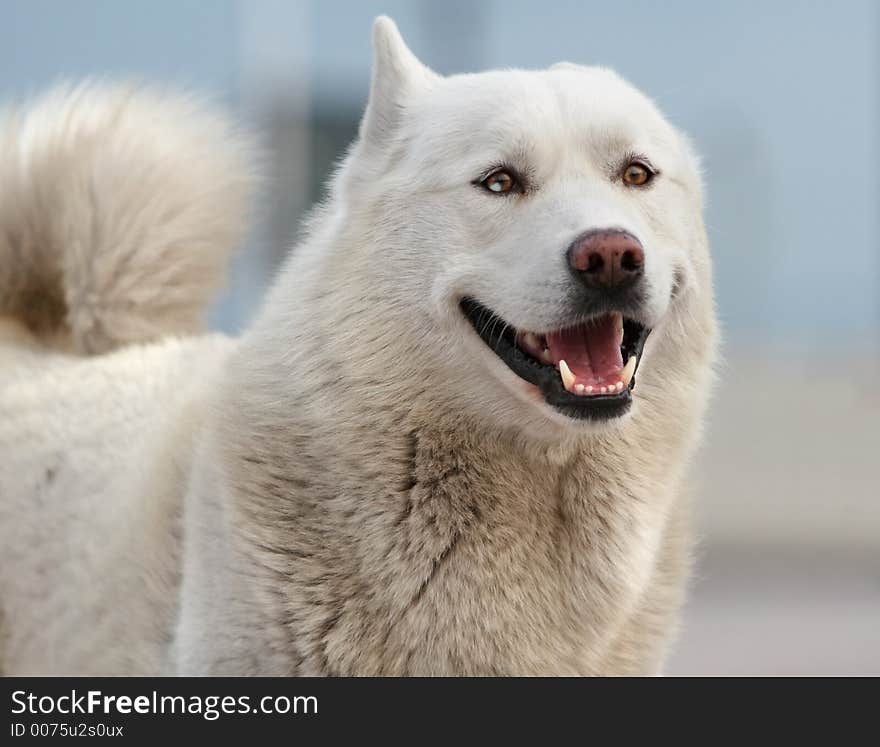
(595, 262)
(631, 261)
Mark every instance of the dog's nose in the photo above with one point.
(607, 259)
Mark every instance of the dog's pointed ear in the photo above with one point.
(397, 73)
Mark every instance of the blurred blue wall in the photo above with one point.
(190, 42)
(782, 99)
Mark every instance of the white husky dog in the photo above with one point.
(429, 453)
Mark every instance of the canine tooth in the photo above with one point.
(579, 388)
(567, 376)
(530, 340)
(628, 370)
(619, 319)
(546, 355)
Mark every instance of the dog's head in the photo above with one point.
(547, 223)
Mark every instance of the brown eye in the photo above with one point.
(637, 174)
(500, 181)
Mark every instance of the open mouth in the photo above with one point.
(584, 371)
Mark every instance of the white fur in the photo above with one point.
(358, 485)
(120, 208)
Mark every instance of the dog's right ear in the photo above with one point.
(397, 73)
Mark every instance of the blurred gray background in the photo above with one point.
(783, 101)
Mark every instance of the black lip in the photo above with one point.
(501, 338)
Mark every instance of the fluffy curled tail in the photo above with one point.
(119, 208)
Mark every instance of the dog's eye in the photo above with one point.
(637, 174)
(501, 181)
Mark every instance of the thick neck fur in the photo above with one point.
(401, 531)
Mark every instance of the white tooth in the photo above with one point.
(618, 318)
(531, 341)
(628, 370)
(604, 390)
(546, 355)
(567, 376)
(619, 386)
(589, 390)
(579, 388)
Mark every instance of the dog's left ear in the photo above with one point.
(397, 74)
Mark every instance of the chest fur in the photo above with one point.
(451, 556)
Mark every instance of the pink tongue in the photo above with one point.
(592, 351)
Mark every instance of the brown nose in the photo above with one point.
(608, 259)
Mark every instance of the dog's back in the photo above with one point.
(118, 212)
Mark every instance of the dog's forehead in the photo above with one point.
(565, 102)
